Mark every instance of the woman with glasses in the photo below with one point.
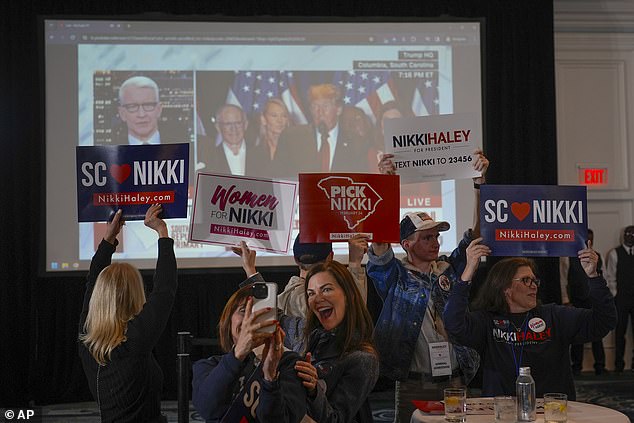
(510, 329)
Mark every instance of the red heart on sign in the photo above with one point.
(520, 210)
(120, 173)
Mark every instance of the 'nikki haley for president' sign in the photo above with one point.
(131, 178)
(534, 220)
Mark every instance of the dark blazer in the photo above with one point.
(217, 161)
(297, 153)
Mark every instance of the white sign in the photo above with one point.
(230, 209)
(433, 148)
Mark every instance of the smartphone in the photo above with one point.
(265, 295)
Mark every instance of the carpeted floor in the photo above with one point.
(610, 390)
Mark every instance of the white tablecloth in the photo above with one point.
(577, 412)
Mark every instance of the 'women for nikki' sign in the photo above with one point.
(230, 209)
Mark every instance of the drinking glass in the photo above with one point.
(456, 405)
(555, 408)
(505, 411)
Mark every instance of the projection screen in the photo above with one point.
(421, 68)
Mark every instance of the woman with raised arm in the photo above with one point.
(510, 329)
(118, 328)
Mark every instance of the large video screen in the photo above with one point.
(242, 88)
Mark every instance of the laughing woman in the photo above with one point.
(341, 366)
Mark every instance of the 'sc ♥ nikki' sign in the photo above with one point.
(229, 209)
(336, 206)
(534, 220)
(131, 178)
(434, 148)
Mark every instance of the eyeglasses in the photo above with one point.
(232, 125)
(528, 281)
(134, 107)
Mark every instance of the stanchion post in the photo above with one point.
(183, 341)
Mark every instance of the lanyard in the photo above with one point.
(524, 331)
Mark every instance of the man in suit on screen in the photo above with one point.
(140, 109)
(232, 156)
(323, 145)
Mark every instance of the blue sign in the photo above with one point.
(131, 178)
(534, 220)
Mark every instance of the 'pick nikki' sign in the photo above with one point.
(335, 207)
(534, 220)
(131, 178)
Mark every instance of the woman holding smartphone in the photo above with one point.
(255, 378)
(341, 365)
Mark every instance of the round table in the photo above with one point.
(577, 412)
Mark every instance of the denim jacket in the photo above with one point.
(405, 292)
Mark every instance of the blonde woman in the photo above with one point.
(274, 119)
(119, 328)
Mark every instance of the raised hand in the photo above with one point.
(357, 247)
(386, 164)
(480, 164)
(248, 258)
(589, 260)
(249, 336)
(475, 251)
(114, 227)
(153, 221)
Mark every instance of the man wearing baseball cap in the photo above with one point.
(413, 346)
(307, 255)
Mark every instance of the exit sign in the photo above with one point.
(593, 176)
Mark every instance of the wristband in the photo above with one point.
(476, 185)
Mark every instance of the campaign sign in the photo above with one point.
(434, 148)
(230, 209)
(336, 206)
(131, 178)
(534, 220)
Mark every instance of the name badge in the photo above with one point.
(440, 359)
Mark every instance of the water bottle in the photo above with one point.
(525, 388)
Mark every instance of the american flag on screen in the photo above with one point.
(252, 89)
(425, 100)
(366, 90)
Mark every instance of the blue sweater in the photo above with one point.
(539, 338)
(218, 379)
